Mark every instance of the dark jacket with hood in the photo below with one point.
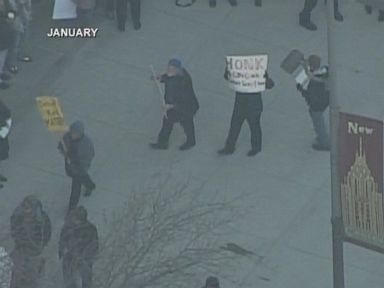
(79, 152)
(31, 232)
(179, 92)
(79, 240)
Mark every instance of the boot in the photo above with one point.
(258, 3)
(307, 23)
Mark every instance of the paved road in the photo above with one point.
(105, 83)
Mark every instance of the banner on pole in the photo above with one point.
(246, 73)
(51, 113)
(361, 179)
(64, 9)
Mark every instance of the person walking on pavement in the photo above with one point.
(5, 126)
(212, 3)
(121, 13)
(78, 151)
(85, 10)
(305, 14)
(20, 29)
(181, 105)
(248, 107)
(31, 231)
(6, 16)
(316, 95)
(78, 247)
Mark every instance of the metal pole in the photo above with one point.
(336, 220)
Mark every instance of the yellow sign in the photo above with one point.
(51, 113)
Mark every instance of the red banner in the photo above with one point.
(361, 178)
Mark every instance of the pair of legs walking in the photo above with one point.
(72, 268)
(121, 13)
(17, 52)
(309, 5)
(186, 121)
(239, 116)
(322, 137)
(79, 180)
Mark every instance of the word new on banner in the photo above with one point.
(246, 73)
(361, 180)
(51, 113)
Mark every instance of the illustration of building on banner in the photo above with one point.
(362, 204)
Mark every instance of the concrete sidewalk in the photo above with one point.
(105, 82)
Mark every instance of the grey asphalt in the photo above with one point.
(105, 82)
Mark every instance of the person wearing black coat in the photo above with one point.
(6, 37)
(78, 248)
(248, 107)
(5, 126)
(316, 95)
(78, 151)
(121, 13)
(31, 231)
(181, 105)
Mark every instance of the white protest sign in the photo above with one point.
(246, 73)
(64, 9)
(5, 269)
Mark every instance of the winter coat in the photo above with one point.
(30, 233)
(179, 92)
(317, 95)
(5, 114)
(23, 10)
(79, 240)
(80, 153)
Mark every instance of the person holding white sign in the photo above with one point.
(248, 107)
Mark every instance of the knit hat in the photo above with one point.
(212, 282)
(77, 127)
(175, 62)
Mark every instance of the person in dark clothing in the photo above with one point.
(305, 14)
(368, 9)
(181, 105)
(78, 151)
(121, 13)
(6, 39)
(212, 3)
(5, 126)
(248, 107)
(212, 282)
(78, 248)
(317, 97)
(31, 231)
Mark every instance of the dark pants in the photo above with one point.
(309, 5)
(239, 115)
(70, 269)
(26, 270)
(121, 12)
(186, 121)
(79, 180)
